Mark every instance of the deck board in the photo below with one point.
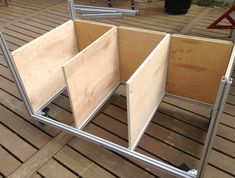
(175, 135)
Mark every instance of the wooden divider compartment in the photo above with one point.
(139, 60)
(186, 66)
(39, 62)
(121, 54)
(96, 58)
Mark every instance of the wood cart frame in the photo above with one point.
(216, 103)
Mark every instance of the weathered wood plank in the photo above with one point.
(9, 164)
(15, 144)
(53, 169)
(36, 175)
(18, 107)
(223, 162)
(80, 164)
(41, 157)
(108, 159)
(33, 135)
(160, 149)
(97, 130)
(212, 172)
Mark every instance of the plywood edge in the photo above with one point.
(202, 39)
(231, 64)
(94, 22)
(133, 144)
(142, 30)
(69, 94)
(42, 36)
(128, 93)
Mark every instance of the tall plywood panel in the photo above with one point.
(89, 31)
(145, 90)
(134, 47)
(92, 75)
(39, 63)
(196, 66)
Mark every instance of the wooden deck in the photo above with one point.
(176, 134)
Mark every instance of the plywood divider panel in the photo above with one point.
(39, 63)
(134, 47)
(92, 75)
(196, 67)
(145, 90)
(89, 31)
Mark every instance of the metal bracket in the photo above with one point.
(44, 112)
(193, 172)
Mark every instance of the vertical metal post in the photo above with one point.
(110, 3)
(214, 122)
(15, 75)
(72, 12)
(133, 4)
(232, 32)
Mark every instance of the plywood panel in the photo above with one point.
(92, 75)
(145, 90)
(39, 63)
(196, 67)
(134, 46)
(89, 31)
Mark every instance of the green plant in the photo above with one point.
(210, 2)
(204, 2)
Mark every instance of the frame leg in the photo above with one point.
(7, 56)
(71, 7)
(214, 122)
(109, 3)
(133, 4)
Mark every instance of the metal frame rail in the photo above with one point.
(94, 12)
(39, 116)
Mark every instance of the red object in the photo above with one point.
(215, 24)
